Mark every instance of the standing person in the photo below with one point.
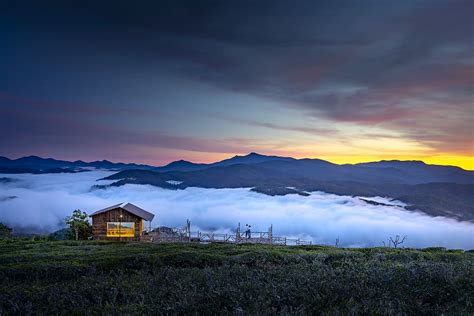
(250, 233)
(246, 230)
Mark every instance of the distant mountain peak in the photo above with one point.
(32, 157)
(179, 162)
(250, 155)
(394, 162)
(419, 162)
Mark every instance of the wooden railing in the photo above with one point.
(211, 237)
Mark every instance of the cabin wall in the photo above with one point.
(99, 224)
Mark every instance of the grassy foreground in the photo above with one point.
(89, 277)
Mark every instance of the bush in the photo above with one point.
(5, 231)
(62, 234)
(100, 277)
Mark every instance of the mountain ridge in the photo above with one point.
(435, 190)
(36, 164)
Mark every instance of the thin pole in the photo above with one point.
(120, 224)
(189, 229)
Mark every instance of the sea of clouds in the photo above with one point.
(39, 203)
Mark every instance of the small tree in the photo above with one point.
(5, 231)
(78, 224)
(397, 241)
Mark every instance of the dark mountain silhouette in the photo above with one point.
(37, 165)
(436, 190)
(252, 158)
(182, 165)
(249, 159)
(419, 169)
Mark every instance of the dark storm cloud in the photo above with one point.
(312, 130)
(403, 65)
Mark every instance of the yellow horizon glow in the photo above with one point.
(360, 150)
(350, 152)
(464, 162)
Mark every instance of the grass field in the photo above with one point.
(89, 277)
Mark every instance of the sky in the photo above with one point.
(26, 204)
(157, 81)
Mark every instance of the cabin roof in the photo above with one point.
(129, 207)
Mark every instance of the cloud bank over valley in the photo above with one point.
(39, 203)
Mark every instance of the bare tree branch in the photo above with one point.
(397, 241)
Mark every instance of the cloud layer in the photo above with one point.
(44, 200)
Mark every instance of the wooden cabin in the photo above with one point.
(123, 221)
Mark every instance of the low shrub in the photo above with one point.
(62, 277)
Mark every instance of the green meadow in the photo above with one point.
(91, 277)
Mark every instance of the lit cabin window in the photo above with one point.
(120, 229)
